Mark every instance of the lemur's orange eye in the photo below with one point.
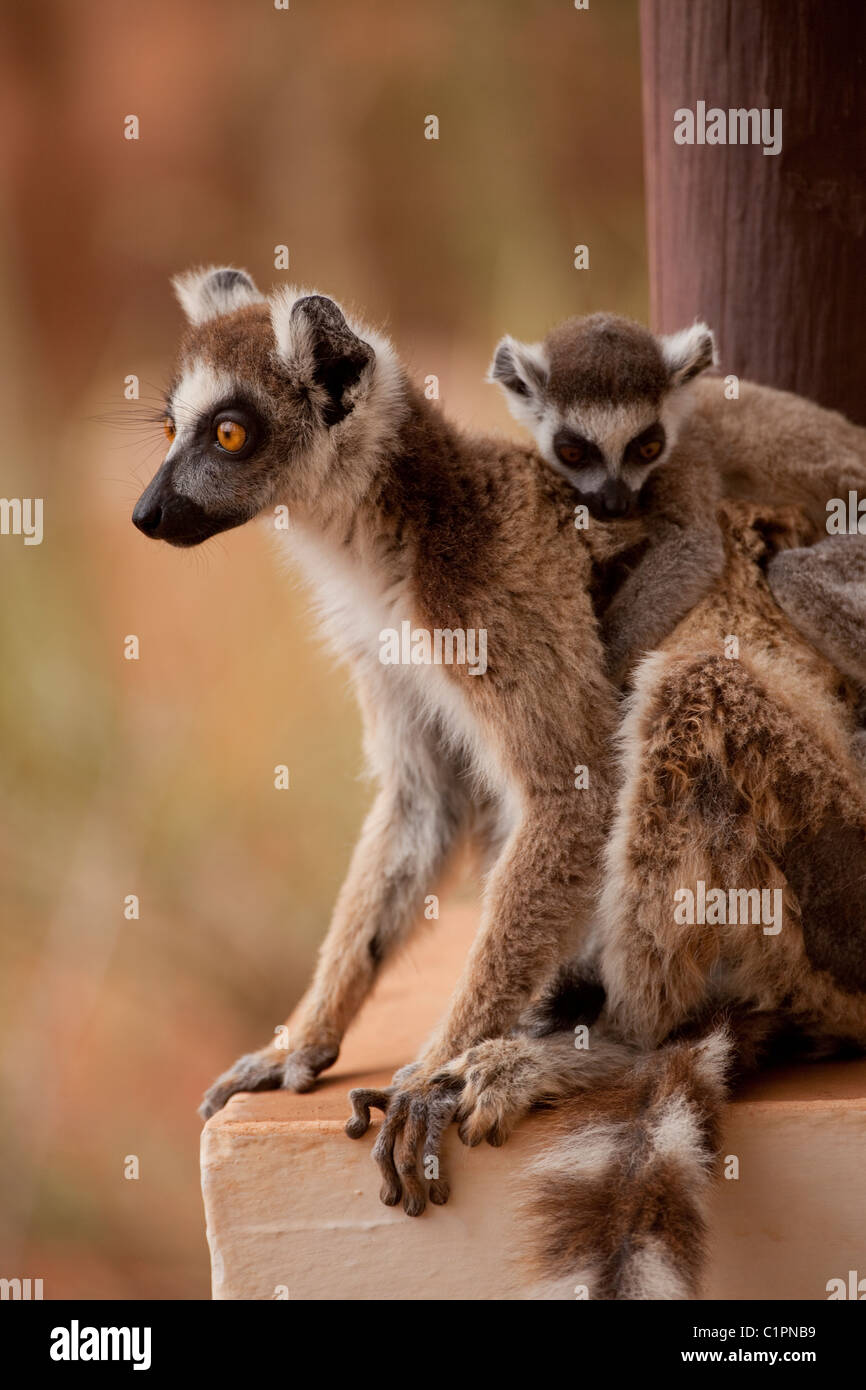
(651, 449)
(168, 426)
(570, 453)
(231, 436)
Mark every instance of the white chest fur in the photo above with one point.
(354, 610)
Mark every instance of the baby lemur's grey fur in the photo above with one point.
(629, 420)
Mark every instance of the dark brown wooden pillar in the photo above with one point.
(769, 249)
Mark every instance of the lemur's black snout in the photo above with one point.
(164, 514)
(177, 519)
(147, 516)
(615, 498)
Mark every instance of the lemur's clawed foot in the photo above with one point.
(269, 1070)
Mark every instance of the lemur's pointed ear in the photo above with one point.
(315, 340)
(206, 293)
(688, 353)
(521, 369)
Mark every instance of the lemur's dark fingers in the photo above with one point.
(407, 1151)
(383, 1149)
(363, 1099)
(440, 1113)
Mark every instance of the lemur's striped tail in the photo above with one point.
(616, 1203)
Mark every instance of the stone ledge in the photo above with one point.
(291, 1202)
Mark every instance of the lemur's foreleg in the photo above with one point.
(685, 557)
(677, 571)
(407, 837)
(540, 892)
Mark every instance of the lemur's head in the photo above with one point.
(604, 399)
(273, 400)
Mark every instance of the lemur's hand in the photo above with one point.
(418, 1109)
(485, 1090)
(271, 1069)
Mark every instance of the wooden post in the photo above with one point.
(769, 249)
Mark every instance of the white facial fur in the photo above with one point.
(611, 428)
(610, 425)
(376, 398)
(200, 390)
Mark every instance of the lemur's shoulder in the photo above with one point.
(448, 476)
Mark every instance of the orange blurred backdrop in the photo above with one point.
(258, 128)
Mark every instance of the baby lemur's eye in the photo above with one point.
(231, 436)
(572, 449)
(651, 449)
(570, 453)
(168, 426)
(647, 445)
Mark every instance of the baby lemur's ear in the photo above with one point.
(213, 290)
(688, 353)
(521, 370)
(316, 342)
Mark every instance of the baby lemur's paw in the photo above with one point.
(618, 667)
(269, 1070)
(498, 1085)
(408, 1147)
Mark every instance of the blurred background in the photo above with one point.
(258, 128)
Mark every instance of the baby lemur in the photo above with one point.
(407, 528)
(629, 420)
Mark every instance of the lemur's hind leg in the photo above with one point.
(823, 591)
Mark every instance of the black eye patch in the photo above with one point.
(242, 412)
(574, 450)
(647, 446)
